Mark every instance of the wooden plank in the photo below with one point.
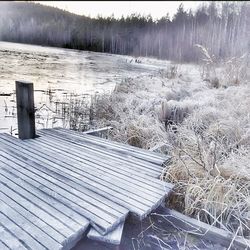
(2, 245)
(16, 229)
(95, 186)
(37, 153)
(129, 175)
(153, 200)
(84, 180)
(63, 167)
(132, 173)
(40, 238)
(25, 110)
(58, 210)
(51, 186)
(57, 150)
(108, 191)
(57, 174)
(99, 201)
(32, 217)
(123, 147)
(50, 162)
(97, 132)
(102, 224)
(113, 165)
(135, 151)
(9, 240)
(23, 198)
(103, 152)
(36, 201)
(123, 163)
(105, 157)
(119, 145)
(114, 237)
(101, 157)
(104, 145)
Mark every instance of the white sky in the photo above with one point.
(157, 9)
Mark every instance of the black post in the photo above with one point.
(25, 110)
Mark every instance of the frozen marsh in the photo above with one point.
(198, 114)
(58, 76)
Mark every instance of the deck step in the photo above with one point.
(114, 237)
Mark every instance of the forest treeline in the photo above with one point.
(222, 27)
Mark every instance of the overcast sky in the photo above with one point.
(157, 9)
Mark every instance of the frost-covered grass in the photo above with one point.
(206, 130)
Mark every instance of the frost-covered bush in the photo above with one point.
(137, 110)
(174, 112)
(207, 135)
(205, 130)
(236, 70)
(210, 161)
(224, 73)
(170, 72)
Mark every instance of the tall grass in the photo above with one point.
(235, 70)
(204, 126)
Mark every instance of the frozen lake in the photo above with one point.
(60, 75)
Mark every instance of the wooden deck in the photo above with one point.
(53, 188)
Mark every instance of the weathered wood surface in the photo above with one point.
(25, 110)
(112, 144)
(145, 158)
(101, 132)
(114, 237)
(60, 183)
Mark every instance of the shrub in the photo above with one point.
(233, 71)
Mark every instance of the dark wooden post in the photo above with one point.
(25, 110)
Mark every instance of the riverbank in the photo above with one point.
(204, 127)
